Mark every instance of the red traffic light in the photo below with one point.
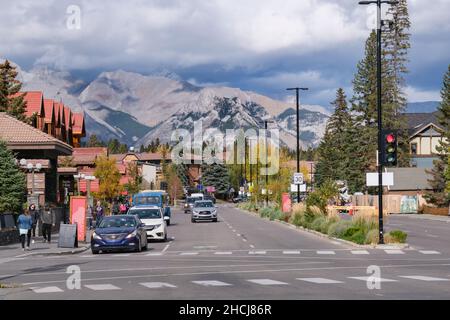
(390, 138)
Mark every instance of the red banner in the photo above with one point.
(78, 207)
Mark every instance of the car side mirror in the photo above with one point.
(142, 225)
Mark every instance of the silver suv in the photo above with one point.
(204, 210)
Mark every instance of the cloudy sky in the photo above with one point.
(259, 45)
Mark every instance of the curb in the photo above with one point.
(59, 253)
(321, 235)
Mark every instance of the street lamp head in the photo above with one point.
(366, 2)
(38, 166)
(23, 162)
(30, 166)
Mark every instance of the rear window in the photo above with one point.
(148, 200)
(146, 213)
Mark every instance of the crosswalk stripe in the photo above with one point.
(360, 252)
(156, 285)
(325, 252)
(424, 278)
(101, 287)
(429, 252)
(188, 253)
(319, 280)
(211, 283)
(394, 251)
(121, 255)
(267, 282)
(47, 290)
(291, 252)
(154, 254)
(223, 252)
(257, 252)
(373, 279)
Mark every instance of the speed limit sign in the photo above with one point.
(298, 178)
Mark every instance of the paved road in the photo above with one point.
(239, 257)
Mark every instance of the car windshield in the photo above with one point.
(142, 200)
(204, 204)
(191, 200)
(146, 213)
(118, 222)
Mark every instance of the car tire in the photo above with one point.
(95, 251)
(139, 248)
(168, 222)
(214, 220)
(193, 221)
(165, 238)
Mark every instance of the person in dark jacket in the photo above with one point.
(115, 208)
(25, 223)
(48, 221)
(34, 213)
(99, 212)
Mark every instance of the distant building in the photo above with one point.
(425, 133)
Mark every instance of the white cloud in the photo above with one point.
(419, 95)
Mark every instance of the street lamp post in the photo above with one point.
(297, 89)
(32, 168)
(267, 163)
(380, 114)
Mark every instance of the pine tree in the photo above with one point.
(94, 141)
(9, 86)
(12, 182)
(396, 43)
(182, 172)
(216, 175)
(440, 176)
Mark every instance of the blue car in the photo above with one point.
(121, 232)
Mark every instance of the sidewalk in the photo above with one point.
(423, 217)
(40, 248)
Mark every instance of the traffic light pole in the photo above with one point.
(380, 127)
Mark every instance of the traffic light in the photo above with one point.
(389, 148)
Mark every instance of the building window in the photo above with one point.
(414, 148)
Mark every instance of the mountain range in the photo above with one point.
(136, 108)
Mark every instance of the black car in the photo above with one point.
(210, 197)
(120, 232)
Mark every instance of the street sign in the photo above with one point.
(298, 178)
(372, 179)
(294, 188)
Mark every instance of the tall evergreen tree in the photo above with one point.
(94, 141)
(216, 175)
(396, 44)
(440, 180)
(12, 182)
(182, 172)
(9, 86)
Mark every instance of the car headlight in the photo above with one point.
(132, 235)
(186, 205)
(96, 236)
(196, 212)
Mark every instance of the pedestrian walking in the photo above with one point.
(115, 208)
(123, 208)
(48, 221)
(99, 212)
(34, 213)
(25, 224)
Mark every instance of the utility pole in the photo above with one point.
(380, 116)
(297, 89)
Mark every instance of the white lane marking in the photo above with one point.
(88, 256)
(335, 242)
(257, 252)
(238, 234)
(212, 283)
(156, 285)
(319, 280)
(101, 287)
(252, 246)
(267, 282)
(154, 254)
(205, 247)
(121, 255)
(429, 252)
(188, 253)
(432, 236)
(233, 230)
(291, 252)
(424, 278)
(245, 240)
(223, 252)
(360, 252)
(47, 290)
(394, 251)
(373, 279)
(165, 248)
(325, 252)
